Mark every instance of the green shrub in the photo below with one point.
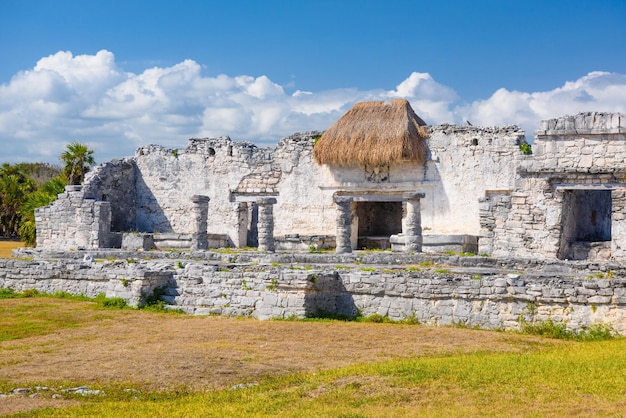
(118, 303)
(8, 293)
(550, 329)
(29, 293)
(525, 148)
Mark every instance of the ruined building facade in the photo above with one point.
(472, 191)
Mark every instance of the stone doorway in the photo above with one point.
(586, 225)
(377, 221)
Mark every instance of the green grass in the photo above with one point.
(576, 379)
(552, 329)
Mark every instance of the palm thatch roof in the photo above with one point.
(375, 134)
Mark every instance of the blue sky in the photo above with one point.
(119, 74)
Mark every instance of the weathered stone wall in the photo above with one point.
(474, 296)
(573, 157)
(74, 221)
(134, 283)
(114, 182)
(151, 193)
(466, 163)
(586, 142)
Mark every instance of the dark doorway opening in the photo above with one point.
(586, 222)
(377, 222)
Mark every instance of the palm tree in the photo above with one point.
(78, 158)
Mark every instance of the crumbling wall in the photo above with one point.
(152, 192)
(75, 220)
(230, 173)
(498, 300)
(465, 163)
(303, 207)
(114, 182)
(572, 154)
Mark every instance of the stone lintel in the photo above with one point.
(605, 186)
(377, 197)
(265, 201)
(249, 198)
(74, 188)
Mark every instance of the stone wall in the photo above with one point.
(550, 214)
(467, 293)
(155, 187)
(74, 221)
(134, 283)
(466, 162)
(114, 182)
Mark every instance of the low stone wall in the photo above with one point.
(474, 292)
(119, 278)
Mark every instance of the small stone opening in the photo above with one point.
(475, 141)
(377, 221)
(586, 224)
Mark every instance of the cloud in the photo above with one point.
(596, 91)
(88, 98)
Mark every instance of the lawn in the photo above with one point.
(6, 246)
(137, 363)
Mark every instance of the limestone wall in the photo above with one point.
(484, 298)
(74, 221)
(152, 192)
(114, 182)
(587, 141)
(466, 162)
(577, 161)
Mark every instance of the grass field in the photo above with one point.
(6, 246)
(159, 364)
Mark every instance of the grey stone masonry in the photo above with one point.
(199, 237)
(344, 224)
(473, 291)
(74, 221)
(569, 199)
(266, 223)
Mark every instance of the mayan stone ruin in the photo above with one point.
(380, 180)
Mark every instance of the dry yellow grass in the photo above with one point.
(157, 351)
(6, 246)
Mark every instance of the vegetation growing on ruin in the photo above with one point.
(525, 148)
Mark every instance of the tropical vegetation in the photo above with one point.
(27, 186)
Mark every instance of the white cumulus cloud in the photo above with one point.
(596, 91)
(88, 98)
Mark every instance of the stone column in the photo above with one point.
(410, 240)
(344, 224)
(265, 224)
(200, 236)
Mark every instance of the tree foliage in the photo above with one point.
(77, 160)
(15, 185)
(25, 187)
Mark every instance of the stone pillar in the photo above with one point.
(200, 236)
(410, 240)
(344, 224)
(265, 224)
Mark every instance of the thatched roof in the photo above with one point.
(374, 133)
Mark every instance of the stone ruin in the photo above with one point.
(475, 192)
(545, 226)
